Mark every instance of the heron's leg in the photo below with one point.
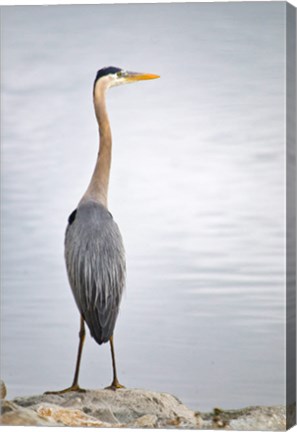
(115, 383)
(82, 336)
(75, 386)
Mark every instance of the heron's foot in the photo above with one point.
(73, 388)
(115, 385)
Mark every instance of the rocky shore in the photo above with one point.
(132, 408)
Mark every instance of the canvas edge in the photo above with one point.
(290, 215)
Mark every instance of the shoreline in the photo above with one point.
(133, 408)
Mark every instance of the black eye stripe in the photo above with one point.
(107, 71)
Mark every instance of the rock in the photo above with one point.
(14, 415)
(3, 391)
(133, 408)
(146, 421)
(261, 418)
(106, 408)
(69, 416)
(252, 418)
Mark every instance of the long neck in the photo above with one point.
(98, 187)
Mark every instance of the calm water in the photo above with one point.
(197, 188)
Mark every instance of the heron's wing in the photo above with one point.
(95, 264)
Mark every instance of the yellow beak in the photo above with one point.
(136, 76)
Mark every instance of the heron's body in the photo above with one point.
(95, 262)
(94, 252)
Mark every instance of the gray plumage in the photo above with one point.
(95, 262)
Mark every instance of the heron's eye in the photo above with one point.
(119, 74)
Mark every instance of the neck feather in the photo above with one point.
(98, 187)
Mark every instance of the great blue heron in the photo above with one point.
(94, 251)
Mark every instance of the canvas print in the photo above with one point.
(148, 247)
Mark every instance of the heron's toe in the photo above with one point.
(115, 386)
(73, 388)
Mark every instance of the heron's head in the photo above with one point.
(113, 76)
